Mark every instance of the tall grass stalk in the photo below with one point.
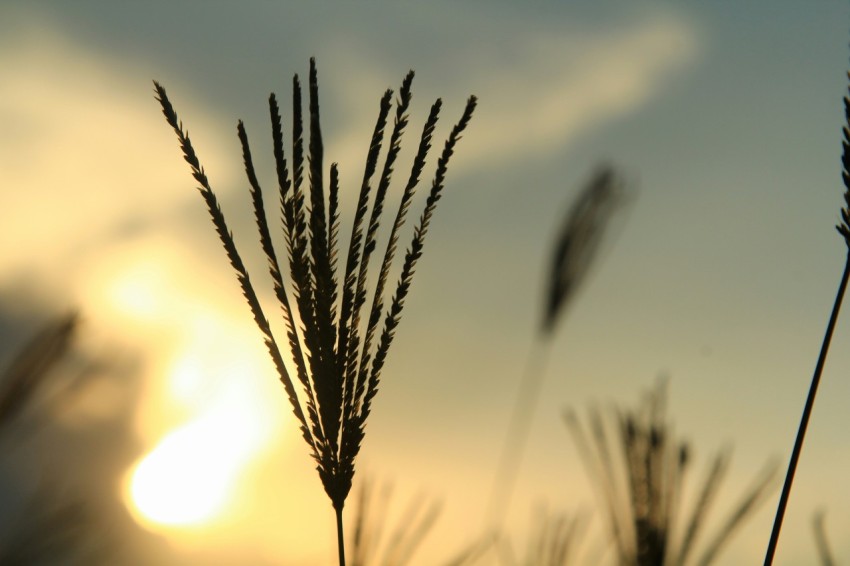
(844, 229)
(334, 343)
(810, 402)
(576, 246)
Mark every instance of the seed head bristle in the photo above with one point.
(844, 227)
(338, 371)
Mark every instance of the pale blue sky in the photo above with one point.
(726, 116)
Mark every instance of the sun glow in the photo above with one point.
(182, 481)
(189, 477)
(210, 406)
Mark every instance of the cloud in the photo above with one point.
(84, 155)
(539, 91)
(559, 88)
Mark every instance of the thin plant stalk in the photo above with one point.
(576, 246)
(844, 229)
(804, 421)
(519, 426)
(340, 538)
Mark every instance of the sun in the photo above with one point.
(209, 406)
(185, 479)
(189, 476)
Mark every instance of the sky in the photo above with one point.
(725, 120)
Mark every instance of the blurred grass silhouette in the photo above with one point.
(640, 474)
(52, 527)
(575, 249)
(371, 544)
(554, 539)
(821, 541)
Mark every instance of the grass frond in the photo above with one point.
(326, 346)
(704, 501)
(27, 374)
(404, 205)
(844, 227)
(236, 262)
(414, 252)
(596, 457)
(578, 240)
(555, 540)
(763, 485)
(370, 241)
(349, 340)
(646, 523)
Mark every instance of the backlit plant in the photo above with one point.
(334, 343)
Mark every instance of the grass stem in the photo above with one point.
(519, 427)
(340, 539)
(804, 421)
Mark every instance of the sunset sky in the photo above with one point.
(725, 119)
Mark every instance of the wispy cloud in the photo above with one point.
(559, 88)
(540, 90)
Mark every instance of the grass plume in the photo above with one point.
(640, 476)
(29, 372)
(337, 361)
(577, 243)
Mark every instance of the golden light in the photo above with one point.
(182, 480)
(209, 407)
(135, 291)
(188, 478)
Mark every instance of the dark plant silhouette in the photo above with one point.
(28, 376)
(577, 243)
(844, 229)
(51, 527)
(576, 246)
(825, 554)
(640, 476)
(338, 360)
